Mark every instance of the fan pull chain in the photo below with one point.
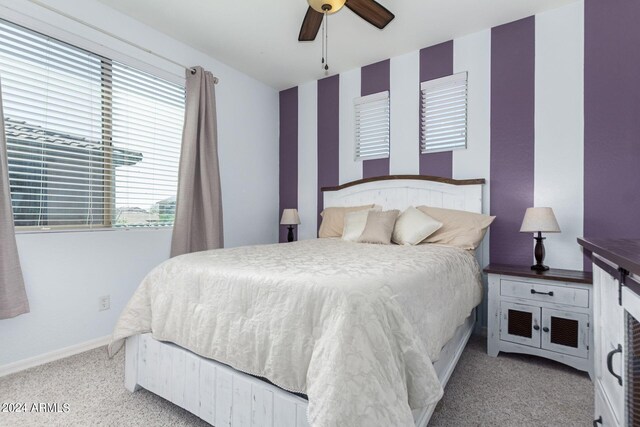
(326, 43)
(322, 54)
(325, 60)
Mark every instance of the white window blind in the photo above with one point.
(91, 142)
(372, 126)
(444, 113)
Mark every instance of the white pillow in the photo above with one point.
(413, 226)
(354, 223)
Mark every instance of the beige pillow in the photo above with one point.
(413, 226)
(354, 223)
(333, 220)
(379, 227)
(459, 228)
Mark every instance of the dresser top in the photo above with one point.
(558, 274)
(624, 253)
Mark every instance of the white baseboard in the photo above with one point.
(21, 365)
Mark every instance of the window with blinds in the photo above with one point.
(91, 142)
(372, 126)
(443, 114)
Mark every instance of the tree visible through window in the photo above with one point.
(91, 142)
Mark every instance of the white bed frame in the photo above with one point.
(222, 396)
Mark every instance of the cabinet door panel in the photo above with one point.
(565, 332)
(520, 323)
(603, 413)
(608, 334)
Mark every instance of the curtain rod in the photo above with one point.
(107, 33)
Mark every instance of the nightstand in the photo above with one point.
(547, 314)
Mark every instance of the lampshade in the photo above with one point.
(539, 219)
(336, 5)
(290, 217)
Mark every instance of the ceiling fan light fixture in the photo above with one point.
(326, 6)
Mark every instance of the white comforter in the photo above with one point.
(353, 326)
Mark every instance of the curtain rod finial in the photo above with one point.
(193, 71)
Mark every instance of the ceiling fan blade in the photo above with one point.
(310, 25)
(371, 11)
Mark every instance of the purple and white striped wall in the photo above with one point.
(328, 137)
(612, 122)
(552, 102)
(512, 138)
(288, 152)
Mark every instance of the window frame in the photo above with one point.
(371, 99)
(452, 81)
(106, 121)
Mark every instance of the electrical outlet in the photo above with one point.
(104, 303)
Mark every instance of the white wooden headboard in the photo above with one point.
(402, 191)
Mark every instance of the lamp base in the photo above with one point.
(539, 253)
(290, 234)
(539, 267)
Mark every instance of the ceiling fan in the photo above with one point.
(369, 10)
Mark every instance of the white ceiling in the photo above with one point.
(262, 41)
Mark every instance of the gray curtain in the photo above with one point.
(198, 222)
(13, 298)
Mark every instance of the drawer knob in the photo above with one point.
(536, 327)
(550, 293)
(545, 329)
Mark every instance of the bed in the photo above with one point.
(320, 332)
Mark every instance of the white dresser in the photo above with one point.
(616, 297)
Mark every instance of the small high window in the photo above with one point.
(443, 114)
(372, 126)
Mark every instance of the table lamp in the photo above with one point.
(539, 220)
(290, 218)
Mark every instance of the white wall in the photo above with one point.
(472, 53)
(307, 160)
(559, 129)
(405, 118)
(66, 273)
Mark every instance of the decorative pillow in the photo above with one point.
(354, 223)
(413, 226)
(379, 227)
(333, 220)
(459, 228)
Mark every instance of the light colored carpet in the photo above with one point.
(514, 390)
(510, 390)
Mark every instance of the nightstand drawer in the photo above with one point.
(551, 293)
